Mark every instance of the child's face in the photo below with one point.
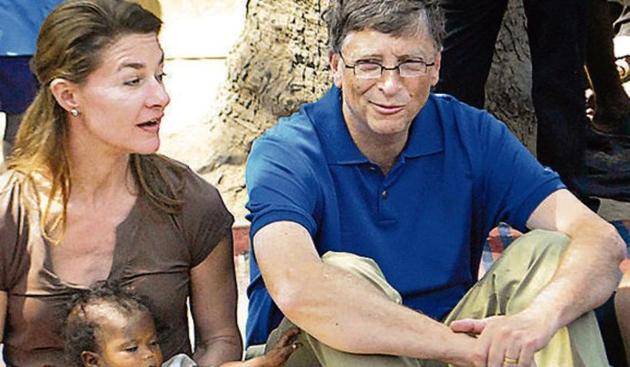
(128, 341)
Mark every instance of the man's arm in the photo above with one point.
(345, 311)
(589, 270)
(587, 275)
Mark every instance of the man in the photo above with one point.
(381, 183)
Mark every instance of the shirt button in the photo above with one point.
(384, 194)
(372, 168)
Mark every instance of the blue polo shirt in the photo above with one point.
(424, 223)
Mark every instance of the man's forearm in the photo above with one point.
(350, 314)
(341, 309)
(587, 275)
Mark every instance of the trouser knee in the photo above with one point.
(365, 268)
(538, 243)
(526, 267)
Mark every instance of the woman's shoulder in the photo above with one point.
(195, 191)
(13, 189)
(10, 178)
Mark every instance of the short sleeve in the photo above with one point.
(514, 182)
(280, 180)
(205, 217)
(13, 231)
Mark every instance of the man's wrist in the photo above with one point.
(548, 318)
(460, 350)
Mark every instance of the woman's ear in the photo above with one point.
(65, 92)
(90, 359)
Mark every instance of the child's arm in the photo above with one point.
(276, 357)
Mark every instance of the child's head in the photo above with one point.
(108, 327)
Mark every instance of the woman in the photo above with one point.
(86, 199)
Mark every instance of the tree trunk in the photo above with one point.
(281, 61)
(508, 89)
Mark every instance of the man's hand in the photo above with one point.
(507, 340)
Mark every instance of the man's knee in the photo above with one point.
(538, 244)
(365, 268)
(526, 267)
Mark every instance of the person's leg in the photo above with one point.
(313, 353)
(611, 334)
(557, 38)
(514, 280)
(471, 33)
(622, 306)
(612, 112)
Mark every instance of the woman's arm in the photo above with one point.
(3, 313)
(213, 305)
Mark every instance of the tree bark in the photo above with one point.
(508, 89)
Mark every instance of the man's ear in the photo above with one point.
(336, 68)
(435, 69)
(65, 92)
(90, 359)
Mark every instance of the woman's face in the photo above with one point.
(122, 102)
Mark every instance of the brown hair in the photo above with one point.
(395, 17)
(70, 45)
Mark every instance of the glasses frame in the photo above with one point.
(427, 65)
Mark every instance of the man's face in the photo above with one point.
(385, 106)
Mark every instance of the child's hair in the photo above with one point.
(79, 329)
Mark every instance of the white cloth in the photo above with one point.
(180, 360)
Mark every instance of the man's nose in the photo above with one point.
(390, 82)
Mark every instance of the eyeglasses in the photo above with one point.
(374, 70)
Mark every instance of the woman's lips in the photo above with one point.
(152, 126)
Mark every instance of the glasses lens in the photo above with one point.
(412, 69)
(367, 70)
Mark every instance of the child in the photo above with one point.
(108, 327)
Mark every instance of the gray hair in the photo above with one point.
(394, 17)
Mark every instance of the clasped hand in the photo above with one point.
(505, 340)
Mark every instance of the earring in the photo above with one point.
(74, 112)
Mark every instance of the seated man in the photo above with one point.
(370, 207)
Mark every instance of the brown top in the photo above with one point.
(153, 255)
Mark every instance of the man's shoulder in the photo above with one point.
(446, 103)
(288, 127)
(463, 118)
(295, 135)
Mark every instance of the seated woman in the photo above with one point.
(107, 326)
(87, 199)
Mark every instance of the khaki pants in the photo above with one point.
(508, 287)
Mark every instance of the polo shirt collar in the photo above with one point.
(426, 136)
